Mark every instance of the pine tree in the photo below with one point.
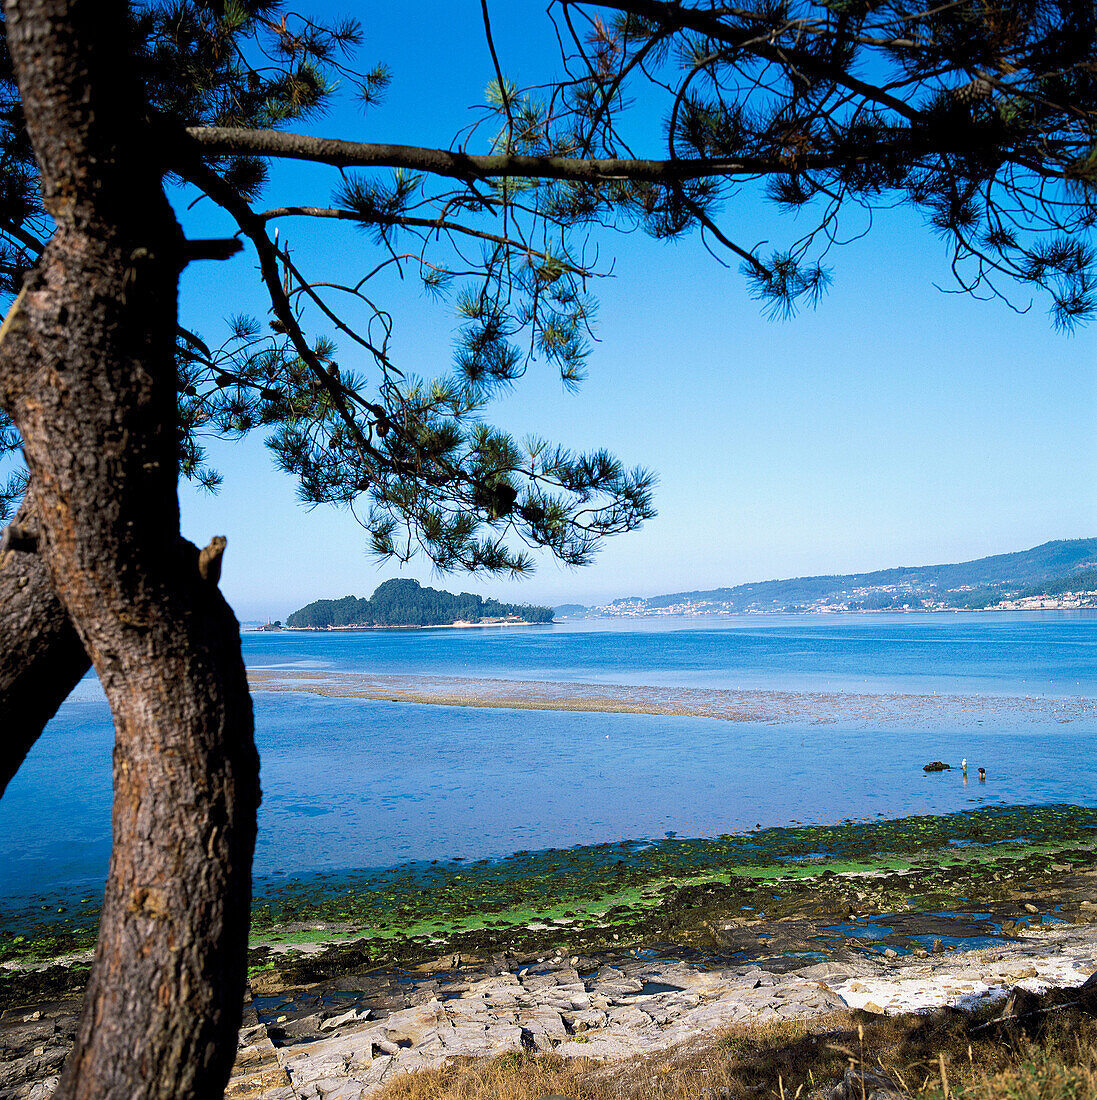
(981, 116)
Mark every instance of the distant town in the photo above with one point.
(1056, 576)
(897, 597)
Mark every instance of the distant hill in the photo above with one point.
(406, 603)
(1067, 566)
(570, 611)
(1084, 580)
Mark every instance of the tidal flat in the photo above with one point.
(889, 710)
(778, 897)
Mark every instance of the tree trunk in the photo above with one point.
(87, 370)
(41, 656)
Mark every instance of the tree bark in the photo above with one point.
(87, 370)
(41, 656)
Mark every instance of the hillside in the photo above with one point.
(1053, 571)
(407, 603)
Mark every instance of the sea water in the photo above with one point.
(353, 783)
(1047, 653)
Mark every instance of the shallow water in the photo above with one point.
(1047, 653)
(351, 783)
(355, 783)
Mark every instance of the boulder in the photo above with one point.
(865, 1083)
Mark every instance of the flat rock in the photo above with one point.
(346, 1044)
(641, 1006)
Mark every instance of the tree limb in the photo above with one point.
(41, 656)
(399, 221)
(26, 239)
(254, 228)
(445, 162)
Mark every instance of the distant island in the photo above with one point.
(403, 603)
(1056, 575)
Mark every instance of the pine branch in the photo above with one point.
(224, 141)
(26, 239)
(253, 227)
(676, 17)
(434, 224)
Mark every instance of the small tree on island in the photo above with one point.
(983, 117)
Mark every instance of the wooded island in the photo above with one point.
(407, 603)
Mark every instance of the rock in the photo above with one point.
(503, 963)
(302, 1027)
(445, 963)
(44, 1089)
(637, 1006)
(869, 1084)
(257, 1073)
(937, 766)
(352, 1016)
(584, 964)
(1022, 1007)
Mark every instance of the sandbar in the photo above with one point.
(891, 710)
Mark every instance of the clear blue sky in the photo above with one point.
(893, 425)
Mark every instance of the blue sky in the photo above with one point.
(894, 425)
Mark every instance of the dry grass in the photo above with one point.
(1062, 1065)
(1043, 1078)
(933, 1056)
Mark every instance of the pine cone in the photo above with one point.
(972, 93)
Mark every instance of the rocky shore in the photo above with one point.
(343, 1040)
(618, 950)
(612, 1007)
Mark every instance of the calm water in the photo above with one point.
(1050, 653)
(355, 783)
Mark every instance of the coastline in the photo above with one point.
(610, 1010)
(714, 616)
(755, 896)
(671, 942)
(808, 611)
(460, 624)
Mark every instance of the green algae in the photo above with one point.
(579, 883)
(631, 890)
(46, 942)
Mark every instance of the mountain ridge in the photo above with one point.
(1043, 572)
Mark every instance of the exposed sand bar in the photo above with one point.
(777, 707)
